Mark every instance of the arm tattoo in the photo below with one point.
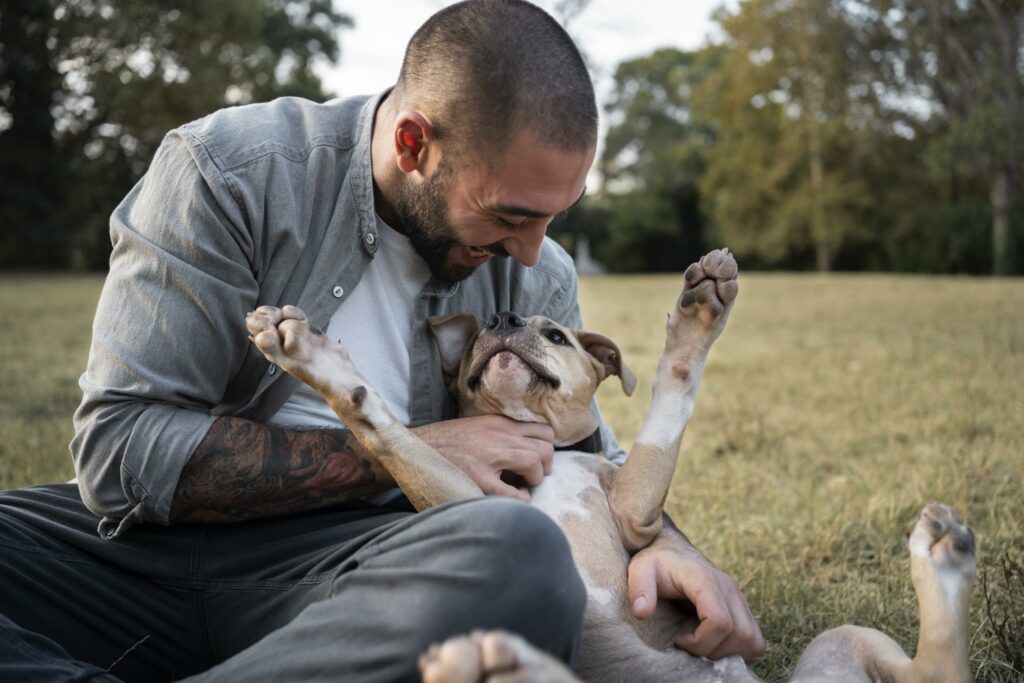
(244, 470)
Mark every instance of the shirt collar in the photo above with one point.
(362, 174)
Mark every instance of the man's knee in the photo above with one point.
(521, 575)
(525, 544)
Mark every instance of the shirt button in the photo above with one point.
(370, 238)
(273, 369)
(339, 292)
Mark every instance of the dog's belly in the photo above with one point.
(573, 496)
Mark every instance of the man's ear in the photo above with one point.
(453, 333)
(608, 355)
(414, 136)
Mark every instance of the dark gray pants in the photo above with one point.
(354, 593)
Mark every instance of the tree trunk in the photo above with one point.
(1002, 237)
(819, 229)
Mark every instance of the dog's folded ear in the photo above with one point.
(607, 353)
(453, 333)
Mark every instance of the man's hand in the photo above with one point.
(487, 445)
(676, 570)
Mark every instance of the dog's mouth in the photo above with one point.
(481, 362)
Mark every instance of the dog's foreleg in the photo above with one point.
(424, 475)
(638, 491)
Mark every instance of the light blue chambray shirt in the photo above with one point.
(262, 204)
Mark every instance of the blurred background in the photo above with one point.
(881, 135)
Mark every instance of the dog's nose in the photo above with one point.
(505, 320)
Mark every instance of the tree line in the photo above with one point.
(88, 88)
(821, 134)
(811, 134)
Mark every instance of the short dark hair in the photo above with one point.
(484, 69)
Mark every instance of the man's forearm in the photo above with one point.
(245, 470)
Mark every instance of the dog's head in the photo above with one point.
(529, 369)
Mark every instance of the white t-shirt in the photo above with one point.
(374, 324)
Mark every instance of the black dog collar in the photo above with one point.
(590, 444)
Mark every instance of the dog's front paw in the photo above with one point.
(283, 335)
(710, 288)
(709, 292)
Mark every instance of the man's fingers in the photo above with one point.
(546, 456)
(527, 464)
(716, 624)
(496, 487)
(642, 580)
(745, 639)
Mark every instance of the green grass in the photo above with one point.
(832, 409)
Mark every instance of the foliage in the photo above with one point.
(814, 134)
(652, 160)
(32, 171)
(782, 175)
(119, 75)
(863, 134)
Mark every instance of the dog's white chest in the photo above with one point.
(572, 495)
(564, 491)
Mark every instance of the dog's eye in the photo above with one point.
(556, 337)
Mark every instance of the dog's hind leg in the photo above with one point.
(499, 657)
(491, 657)
(942, 568)
(638, 491)
(424, 475)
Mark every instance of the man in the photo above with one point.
(243, 534)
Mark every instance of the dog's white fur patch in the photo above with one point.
(561, 495)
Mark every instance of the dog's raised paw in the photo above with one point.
(709, 292)
(710, 286)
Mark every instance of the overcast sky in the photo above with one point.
(609, 31)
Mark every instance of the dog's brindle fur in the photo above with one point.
(535, 370)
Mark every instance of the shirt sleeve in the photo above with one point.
(565, 310)
(167, 337)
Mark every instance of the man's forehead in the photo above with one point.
(525, 211)
(531, 179)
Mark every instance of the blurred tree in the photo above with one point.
(652, 160)
(32, 170)
(792, 105)
(130, 70)
(971, 57)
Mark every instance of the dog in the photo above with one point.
(533, 369)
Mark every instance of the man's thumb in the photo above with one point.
(643, 587)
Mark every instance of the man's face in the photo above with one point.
(458, 219)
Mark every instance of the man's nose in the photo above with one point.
(525, 245)
(506, 321)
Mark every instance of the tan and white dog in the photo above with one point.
(533, 369)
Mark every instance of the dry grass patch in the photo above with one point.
(832, 410)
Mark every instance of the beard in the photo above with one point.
(423, 211)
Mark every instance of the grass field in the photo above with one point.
(833, 408)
